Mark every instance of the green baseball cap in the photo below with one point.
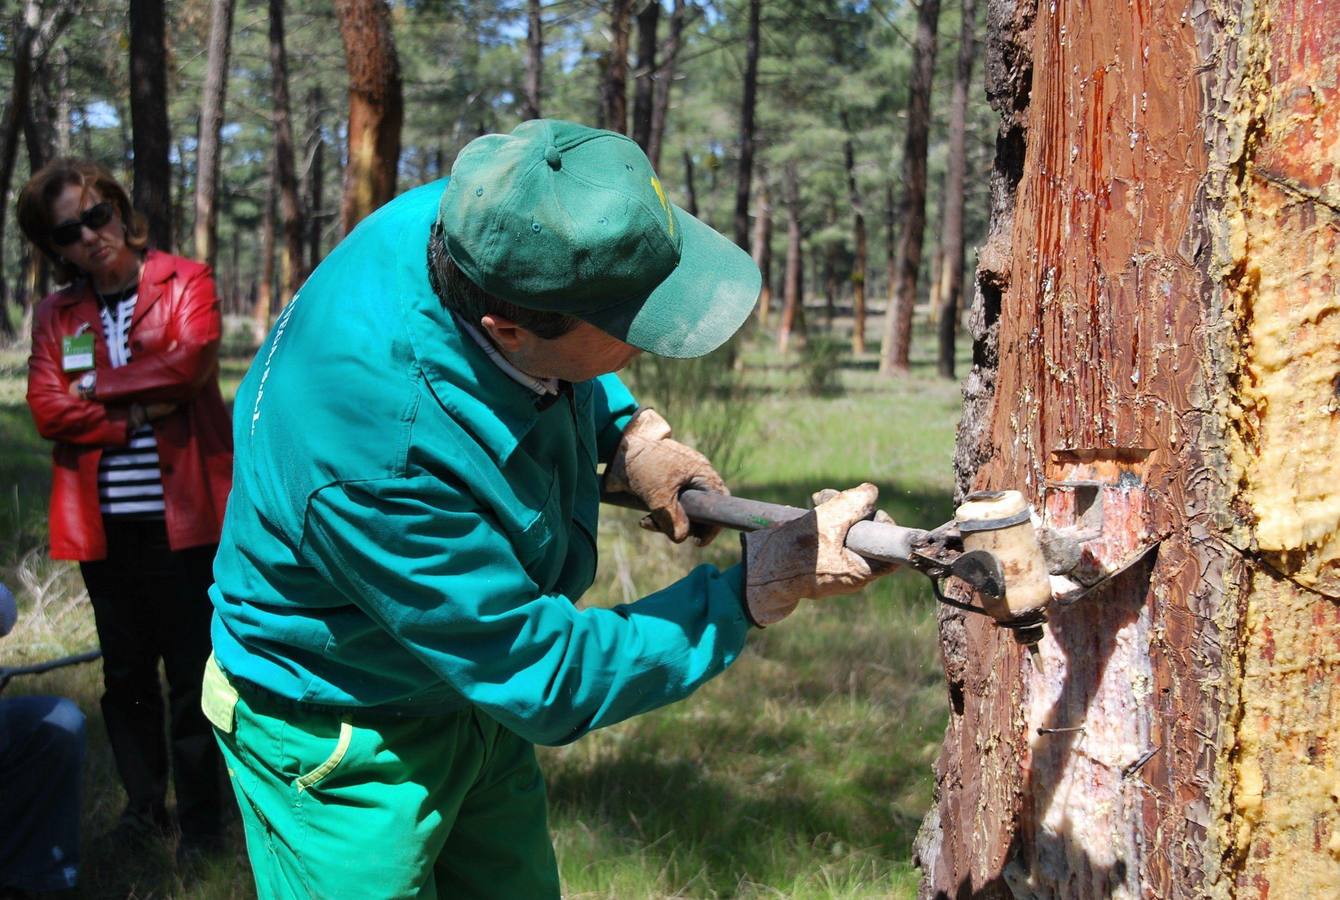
(564, 218)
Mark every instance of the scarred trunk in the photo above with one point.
(376, 108)
(1155, 330)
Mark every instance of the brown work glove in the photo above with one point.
(654, 468)
(807, 557)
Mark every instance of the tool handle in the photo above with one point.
(873, 540)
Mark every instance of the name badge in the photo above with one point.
(76, 352)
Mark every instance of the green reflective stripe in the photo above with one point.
(218, 698)
(321, 771)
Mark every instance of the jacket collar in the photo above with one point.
(159, 268)
(497, 410)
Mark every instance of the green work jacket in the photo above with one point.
(409, 528)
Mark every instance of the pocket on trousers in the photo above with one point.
(316, 775)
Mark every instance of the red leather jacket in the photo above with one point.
(174, 349)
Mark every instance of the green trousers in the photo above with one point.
(335, 806)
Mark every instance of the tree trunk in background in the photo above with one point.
(32, 40)
(644, 79)
(763, 248)
(64, 102)
(951, 240)
(376, 108)
(747, 106)
(534, 60)
(665, 78)
(260, 312)
(890, 240)
(893, 358)
(212, 103)
(316, 180)
(292, 271)
(614, 83)
(150, 132)
(1156, 330)
(691, 192)
(858, 267)
(791, 299)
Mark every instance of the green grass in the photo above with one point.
(803, 772)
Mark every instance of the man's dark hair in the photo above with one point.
(467, 300)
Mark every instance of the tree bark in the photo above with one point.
(264, 304)
(951, 240)
(644, 78)
(763, 248)
(32, 40)
(534, 60)
(791, 299)
(614, 83)
(376, 108)
(858, 267)
(150, 129)
(212, 104)
(292, 271)
(690, 189)
(1155, 337)
(894, 354)
(747, 108)
(665, 78)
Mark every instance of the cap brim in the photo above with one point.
(699, 305)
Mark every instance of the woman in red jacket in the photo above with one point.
(123, 376)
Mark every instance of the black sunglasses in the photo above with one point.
(66, 233)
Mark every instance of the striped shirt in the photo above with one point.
(129, 482)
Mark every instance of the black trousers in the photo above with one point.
(151, 603)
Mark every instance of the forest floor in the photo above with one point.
(803, 772)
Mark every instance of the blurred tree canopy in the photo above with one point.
(829, 73)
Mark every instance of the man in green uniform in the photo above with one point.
(414, 513)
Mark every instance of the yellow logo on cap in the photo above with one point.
(665, 204)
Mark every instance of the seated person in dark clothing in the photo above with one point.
(41, 764)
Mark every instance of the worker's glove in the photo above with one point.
(654, 468)
(807, 557)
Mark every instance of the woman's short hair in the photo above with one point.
(467, 300)
(41, 191)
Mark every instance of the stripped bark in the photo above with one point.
(1157, 325)
(376, 108)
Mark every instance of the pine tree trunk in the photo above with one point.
(534, 60)
(376, 108)
(264, 304)
(316, 182)
(894, 354)
(644, 79)
(791, 286)
(690, 189)
(858, 238)
(951, 239)
(747, 108)
(665, 78)
(762, 249)
(291, 268)
(614, 84)
(1156, 332)
(150, 131)
(212, 103)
